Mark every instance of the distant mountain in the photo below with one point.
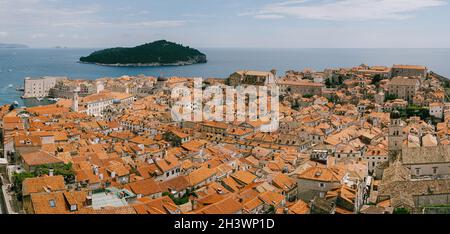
(158, 53)
(12, 46)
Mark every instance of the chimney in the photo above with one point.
(47, 189)
(219, 191)
(95, 170)
(318, 173)
(89, 200)
(149, 160)
(194, 204)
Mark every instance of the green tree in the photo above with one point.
(376, 80)
(390, 97)
(295, 105)
(329, 83)
(64, 170)
(163, 52)
(401, 211)
(341, 79)
(271, 210)
(168, 136)
(184, 199)
(18, 179)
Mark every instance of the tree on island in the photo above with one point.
(156, 53)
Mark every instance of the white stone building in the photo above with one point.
(437, 110)
(39, 87)
(95, 104)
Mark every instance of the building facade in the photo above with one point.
(39, 87)
(409, 71)
(252, 78)
(404, 88)
(300, 87)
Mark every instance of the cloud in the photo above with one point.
(348, 10)
(39, 14)
(38, 35)
(147, 24)
(267, 16)
(159, 23)
(143, 12)
(4, 34)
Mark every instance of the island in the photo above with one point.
(12, 46)
(158, 53)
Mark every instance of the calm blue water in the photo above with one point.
(15, 64)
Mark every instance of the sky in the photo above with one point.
(228, 23)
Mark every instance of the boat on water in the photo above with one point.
(21, 89)
(10, 86)
(16, 103)
(39, 99)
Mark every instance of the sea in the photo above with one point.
(16, 64)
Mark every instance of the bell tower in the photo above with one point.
(75, 100)
(396, 137)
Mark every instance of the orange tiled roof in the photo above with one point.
(42, 184)
(40, 158)
(145, 187)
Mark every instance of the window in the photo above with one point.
(417, 171)
(52, 203)
(435, 170)
(321, 185)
